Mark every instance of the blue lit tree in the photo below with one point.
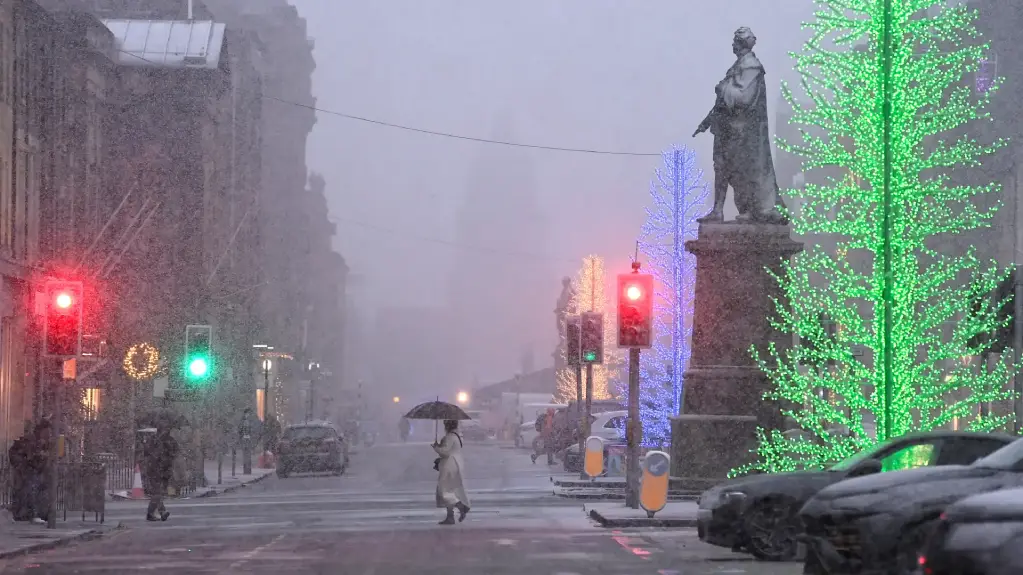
(679, 194)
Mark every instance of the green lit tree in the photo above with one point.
(888, 105)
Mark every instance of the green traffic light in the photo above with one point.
(198, 367)
(590, 356)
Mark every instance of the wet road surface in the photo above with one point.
(379, 519)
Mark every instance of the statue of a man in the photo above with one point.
(561, 310)
(742, 140)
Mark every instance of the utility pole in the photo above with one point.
(635, 332)
(888, 287)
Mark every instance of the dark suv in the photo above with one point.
(310, 447)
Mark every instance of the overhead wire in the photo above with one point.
(442, 135)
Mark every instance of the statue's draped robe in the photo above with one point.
(742, 139)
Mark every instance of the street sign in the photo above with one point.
(653, 495)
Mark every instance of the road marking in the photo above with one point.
(252, 554)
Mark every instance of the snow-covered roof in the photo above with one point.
(168, 43)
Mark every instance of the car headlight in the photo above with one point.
(730, 496)
(865, 502)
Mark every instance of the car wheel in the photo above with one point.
(812, 564)
(911, 545)
(771, 528)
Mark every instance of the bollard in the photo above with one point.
(593, 462)
(653, 493)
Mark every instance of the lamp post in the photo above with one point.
(267, 366)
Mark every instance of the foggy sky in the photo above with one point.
(629, 75)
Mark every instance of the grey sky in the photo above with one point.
(631, 75)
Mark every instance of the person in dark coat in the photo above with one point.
(160, 469)
(38, 465)
(22, 483)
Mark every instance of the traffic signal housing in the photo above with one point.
(635, 310)
(62, 333)
(573, 339)
(198, 353)
(592, 338)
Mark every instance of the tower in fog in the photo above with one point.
(502, 289)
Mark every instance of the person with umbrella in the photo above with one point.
(451, 492)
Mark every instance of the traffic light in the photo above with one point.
(573, 355)
(635, 310)
(63, 329)
(198, 353)
(592, 337)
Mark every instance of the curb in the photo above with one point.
(213, 492)
(640, 521)
(621, 495)
(47, 545)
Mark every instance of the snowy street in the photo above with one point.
(380, 519)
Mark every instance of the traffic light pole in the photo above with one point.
(587, 415)
(633, 436)
(53, 479)
(579, 404)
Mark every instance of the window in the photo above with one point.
(615, 423)
(909, 457)
(966, 450)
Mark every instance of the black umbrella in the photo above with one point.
(437, 411)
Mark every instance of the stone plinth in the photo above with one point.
(723, 396)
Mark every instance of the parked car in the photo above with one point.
(760, 513)
(472, 430)
(312, 447)
(527, 434)
(573, 461)
(882, 521)
(979, 535)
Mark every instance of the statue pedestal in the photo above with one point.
(723, 390)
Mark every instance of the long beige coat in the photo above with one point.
(451, 480)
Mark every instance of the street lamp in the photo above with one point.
(463, 397)
(396, 399)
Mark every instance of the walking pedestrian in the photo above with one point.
(548, 438)
(160, 469)
(451, 492)
(39, 467)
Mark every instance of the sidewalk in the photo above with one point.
(617, 516)
(571, 486)
(227, 485)
(20, 538)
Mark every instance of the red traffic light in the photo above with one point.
(635, 310)
(633, 292)
(63, 300)
(63, 319)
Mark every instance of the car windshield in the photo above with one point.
(300, 433)
(850, 462)
(1008, 457)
